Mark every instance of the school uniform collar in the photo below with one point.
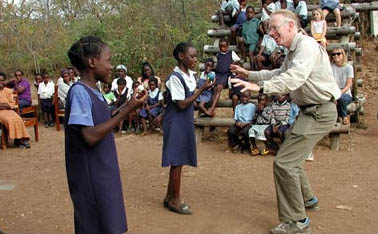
(281, 104)
(191, 73)
(123, 91)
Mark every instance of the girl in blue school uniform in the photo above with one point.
(91, 158)
(179, 146)
(153, 106)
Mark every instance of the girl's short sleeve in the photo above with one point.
(176, 88)
(81, 107)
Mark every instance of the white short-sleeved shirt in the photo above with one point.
(46, 91)
(234, 4)
(289, 5)
(301, 9)
(342, 74)
(129, 83)
(271, 7)
(175, 86)
(152, 94)
(269, 44)
(237, 9)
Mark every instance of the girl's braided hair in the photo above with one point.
(81, 50)
(181, 48)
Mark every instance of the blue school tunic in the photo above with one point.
(222, 71)
(153, 111)
(179, 144)
(207, 94)
(93, 174)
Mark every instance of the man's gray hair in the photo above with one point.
(289, 16)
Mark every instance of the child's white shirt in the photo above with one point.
(269, 44)
(231, 3)
(271, 7)
(289, 5)
(46, 91)
(153, 94)
(175, 86)
(237, 9)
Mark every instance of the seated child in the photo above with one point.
(280, 123)
(121, 93)
(46, 90)
(153, 105)
(122, 96)
(319, 27)
(284, 5)
(134, 115)
(235, 92)
(300, 8)
(263, 118)
(228, 7)
(205, 97)
(268, 7)
(250, 35)
(240, 17)
(109, 95)
(277, 58)
(222, 71)
(332, 6)
(268, 45)
(244, 113)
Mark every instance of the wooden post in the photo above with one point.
(335, 141)
(199, 131)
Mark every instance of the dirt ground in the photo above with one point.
(231, 193)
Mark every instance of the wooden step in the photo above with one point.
(349, 46)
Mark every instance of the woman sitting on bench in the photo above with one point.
(343, 74)
(9, 118)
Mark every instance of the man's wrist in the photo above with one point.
(261, 85)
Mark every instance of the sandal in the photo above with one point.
(255, 152)
(265, 152)
(184, 209)
(345, 121)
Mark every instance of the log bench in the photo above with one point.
(345, 30)
(201, 123)
(346, 13)
(347, 46)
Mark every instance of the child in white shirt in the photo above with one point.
(46, 91)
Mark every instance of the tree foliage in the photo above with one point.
(36, 34)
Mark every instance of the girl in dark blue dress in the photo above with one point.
(179, 146)
(91, 158)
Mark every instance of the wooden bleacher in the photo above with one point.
(347, 37)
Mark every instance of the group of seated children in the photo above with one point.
(265, 122)
(46, 90)
(251, 35)
(207, 100)
(121, 91)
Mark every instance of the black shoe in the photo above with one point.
(25, 144)
(51, 124)
(46, 125)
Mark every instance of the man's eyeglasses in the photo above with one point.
(275, 28)
(338, 54)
